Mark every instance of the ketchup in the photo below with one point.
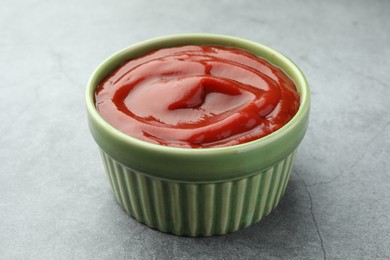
(197, 97)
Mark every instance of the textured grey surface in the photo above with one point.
(55, 200)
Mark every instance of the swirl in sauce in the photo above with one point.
(197, 96)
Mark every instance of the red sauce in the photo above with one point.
(197, 96)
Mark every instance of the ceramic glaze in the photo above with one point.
(198, 192)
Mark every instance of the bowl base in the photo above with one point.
(198, 209)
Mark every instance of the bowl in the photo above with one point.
(198, 192)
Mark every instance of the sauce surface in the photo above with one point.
(197, 97)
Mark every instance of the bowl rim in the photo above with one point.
(182, 164)
(304, 100)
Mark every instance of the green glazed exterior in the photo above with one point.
(198, 209)
(198, 192)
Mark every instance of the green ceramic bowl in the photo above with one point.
(198, 192)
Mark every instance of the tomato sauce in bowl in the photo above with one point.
(197, 97)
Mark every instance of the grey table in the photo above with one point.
(55, 200)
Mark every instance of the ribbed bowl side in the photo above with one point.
(198, 209)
